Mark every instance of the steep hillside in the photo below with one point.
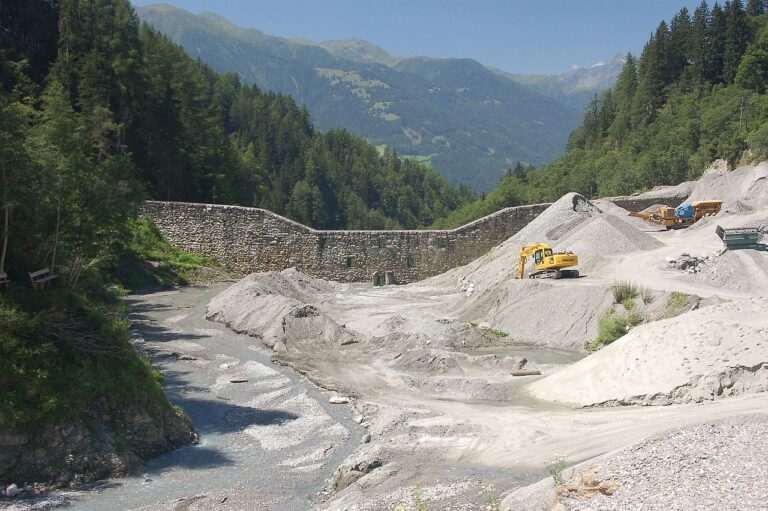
(465, 120)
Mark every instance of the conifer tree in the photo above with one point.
(716, 44)
(736, 39)
(699, 54)
(680, 39)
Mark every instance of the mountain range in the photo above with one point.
(468, 121)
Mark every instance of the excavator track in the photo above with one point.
(555, 274)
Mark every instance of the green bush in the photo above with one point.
(61, 349)
(612, 326)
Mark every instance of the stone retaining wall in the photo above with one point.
(253, 240)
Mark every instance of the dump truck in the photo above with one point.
(548, 264)
(682, 216)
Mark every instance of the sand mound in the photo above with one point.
(540, 312)
(606, 235)
(713, 352)
(266, 305)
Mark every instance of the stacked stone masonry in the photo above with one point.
(254, 240)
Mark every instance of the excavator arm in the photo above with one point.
(525, 253)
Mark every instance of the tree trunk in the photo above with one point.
(6, 226)
(6, 221)
(56, 239)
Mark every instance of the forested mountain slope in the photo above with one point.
(696, 93)
(469, 122)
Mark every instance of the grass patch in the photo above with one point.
(150, 260)
(675, 302)
(623, 291)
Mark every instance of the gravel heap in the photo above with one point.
(556, 221)
(718, 465)
(606, 206)
(743, 189)
(740, 270)
(604, 235)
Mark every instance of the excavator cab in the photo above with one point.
(540, 254)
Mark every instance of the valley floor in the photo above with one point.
(429, 410)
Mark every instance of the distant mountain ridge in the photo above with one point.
(469, 122)
(576, 87)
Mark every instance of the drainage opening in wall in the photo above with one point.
(410, 262)
(351, 261)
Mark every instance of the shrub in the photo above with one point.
(623, 291)
(628, 304)
(171, 265)
(646, 295)
(555, 469)
(612, 326)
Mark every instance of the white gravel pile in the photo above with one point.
(271, 306)
(743, 189)
(539, 312)
(605, 235)
(714, 466)
(442, 362)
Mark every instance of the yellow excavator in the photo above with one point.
(547, 264)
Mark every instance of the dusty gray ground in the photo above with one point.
(716, 465)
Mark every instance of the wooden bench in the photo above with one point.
(4, 279)
(41, 279)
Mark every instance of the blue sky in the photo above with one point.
(520, 36)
